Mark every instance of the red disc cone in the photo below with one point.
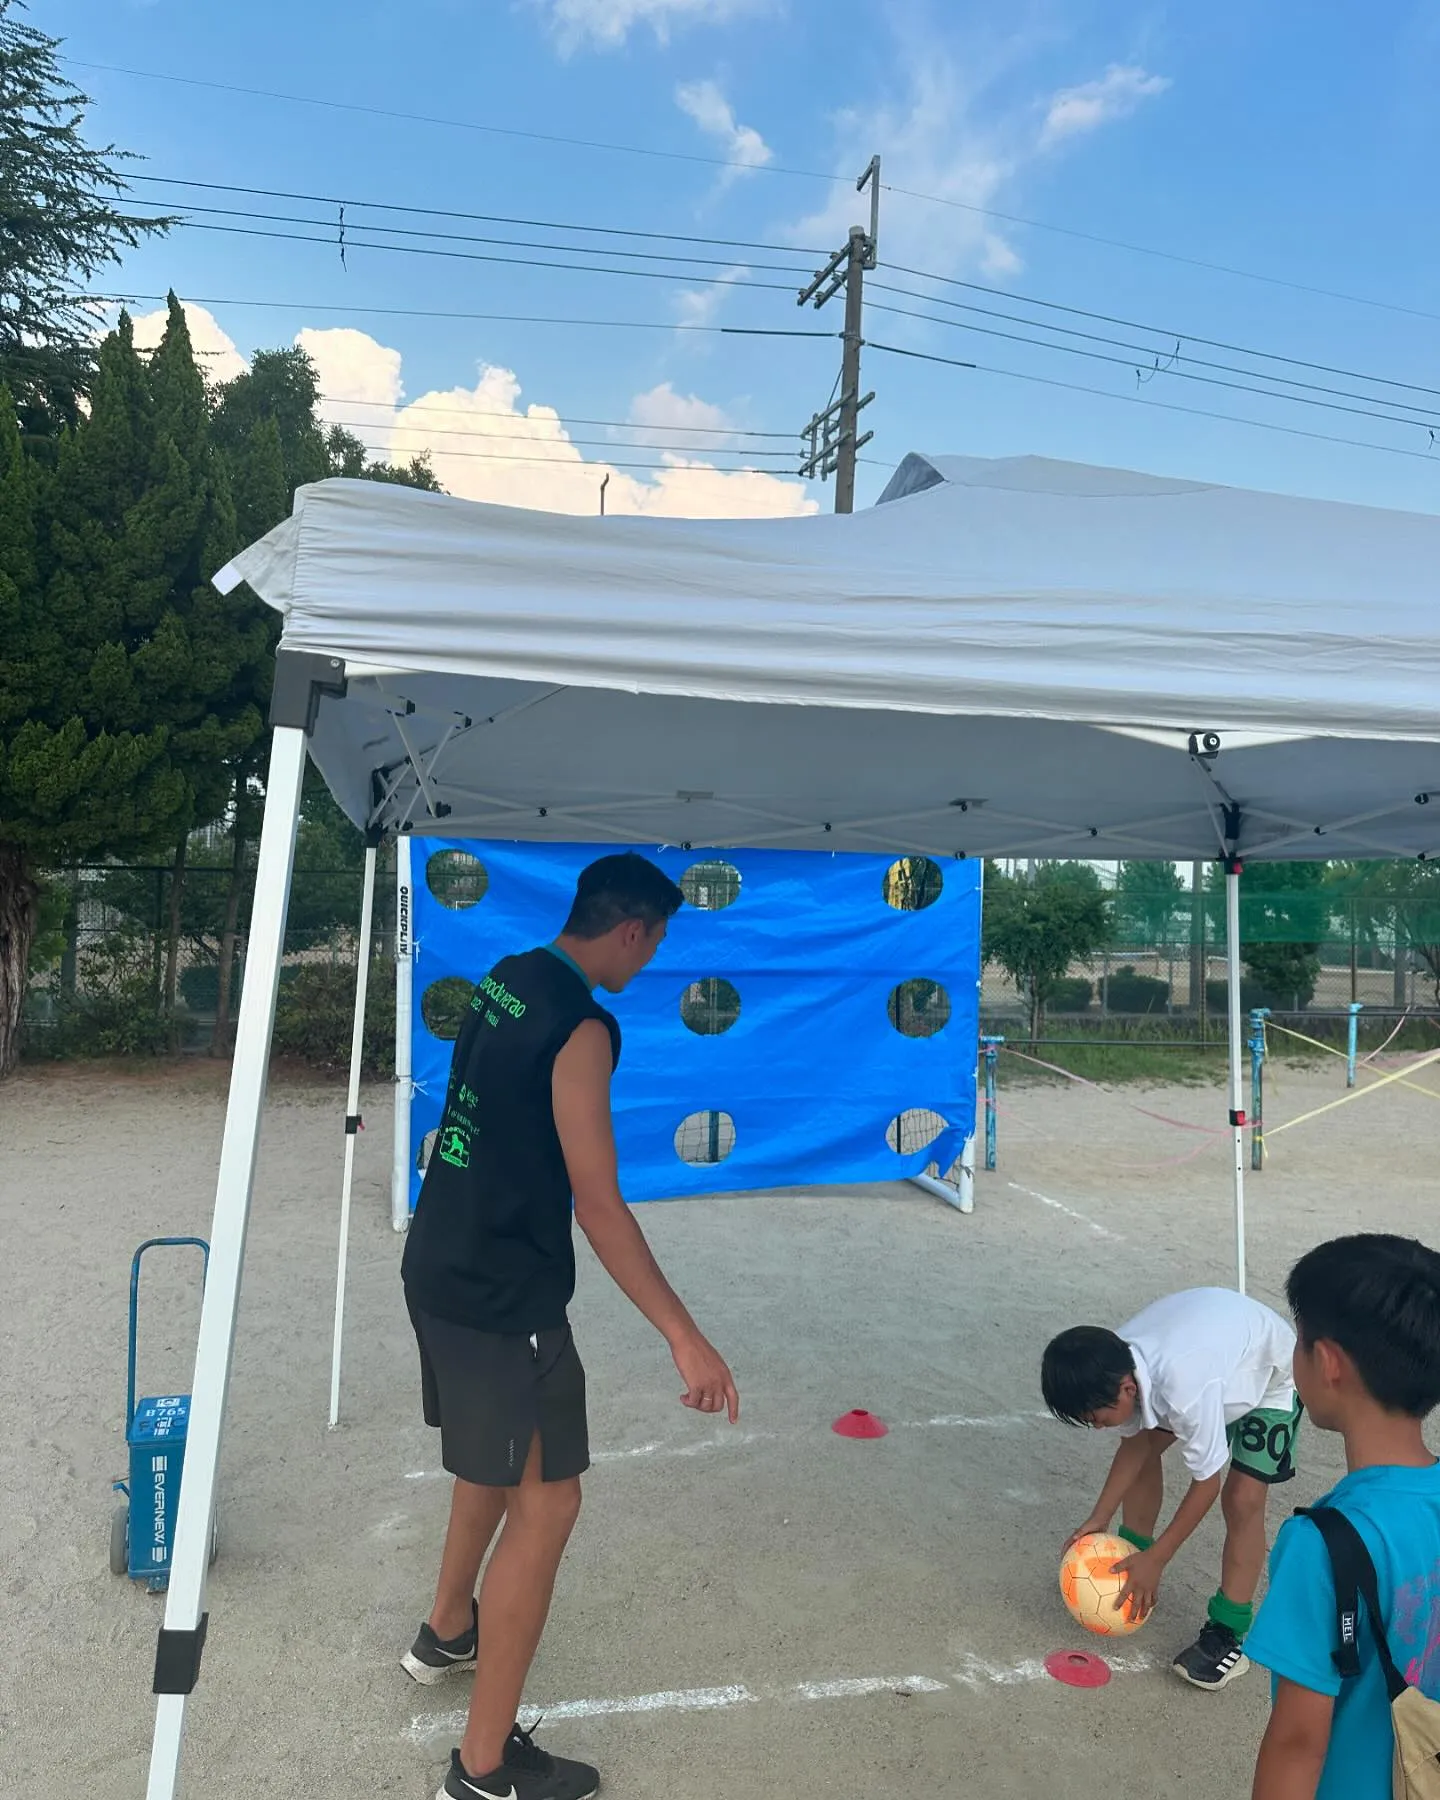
(1078, 1668)
(860, 1424)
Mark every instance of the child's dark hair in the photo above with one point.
(1082, 1371)
(619, 888)
(1378, 1298)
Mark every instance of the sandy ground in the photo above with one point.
(770, 1609)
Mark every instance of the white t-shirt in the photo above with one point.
(1203, 1359)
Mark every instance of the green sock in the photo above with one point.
(1231, 1614)
(1137, 1538)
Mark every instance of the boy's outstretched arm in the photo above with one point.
(1292, 1753)
(580, 1091)
(1130, 1459)
(1145, 1567)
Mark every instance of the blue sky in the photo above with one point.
(1293, 141)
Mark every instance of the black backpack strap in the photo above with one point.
(1354, 1575)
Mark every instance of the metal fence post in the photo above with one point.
(1258, 1017)
(991, 1048)
(1352, 1041)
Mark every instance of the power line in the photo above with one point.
(1170, 356)
(1164, 331)
(344, 229)
(518, 262)
(421, 312)
(1189, 262)
(1173, 369)
(526, 437)
(584, 464)
(618, 424)
(437, 212)
(409, 118)
(829, 177)
(1196, 412)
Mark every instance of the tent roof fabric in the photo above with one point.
(1001, 657)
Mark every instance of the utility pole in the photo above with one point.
(603, 485)
(834, 434)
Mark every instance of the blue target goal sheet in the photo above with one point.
(795, 1028)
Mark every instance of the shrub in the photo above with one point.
(1071, 994)
(200, 987)
(1128, 992)
(315, 1014)
(115, 1010)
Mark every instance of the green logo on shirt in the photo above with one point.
(454, 1147)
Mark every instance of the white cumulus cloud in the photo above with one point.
(606, 24)
(665, 410)
(741, 145)
(1117, 94)
(483, 444)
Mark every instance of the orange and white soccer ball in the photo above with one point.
(1090, 1590)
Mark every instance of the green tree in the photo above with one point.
(1035, 928)
(65, 220)
(128, 694)
(1147, 901)
(1400, 902)
(1285, 911)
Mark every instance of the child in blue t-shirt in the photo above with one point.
(1367, 1364)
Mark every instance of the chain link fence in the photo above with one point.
(102, 981)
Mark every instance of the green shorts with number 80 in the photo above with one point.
(1263, 1443)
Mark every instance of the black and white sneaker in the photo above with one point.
(430, 1659)
(527, 1773)
(1213, 1660)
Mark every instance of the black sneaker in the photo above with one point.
(568, 1780)
(1213, 1660)
(430, 1659)
(527, 1773)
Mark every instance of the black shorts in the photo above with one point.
(490, 1394)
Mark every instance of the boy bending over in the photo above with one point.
(1208, 1369)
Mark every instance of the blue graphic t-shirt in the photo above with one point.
(1397, 1512)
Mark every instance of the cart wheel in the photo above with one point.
(120, 1541)
(214, 1541)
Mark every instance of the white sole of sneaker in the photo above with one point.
(428, 1676)
(1213, 1687)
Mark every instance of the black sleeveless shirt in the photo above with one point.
(490, 1245)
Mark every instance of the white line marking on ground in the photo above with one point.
(739, 1440)
(859, 1687)
(733, 1440)
(977, 1674)
(1069, 1212)
(993, 1421)
(425, 1726)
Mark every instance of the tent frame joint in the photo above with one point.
(302, 677)
(177, 1658)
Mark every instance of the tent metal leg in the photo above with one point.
(182, 1635)
(352, 1121)
(404, 1019)
(1237, 1095)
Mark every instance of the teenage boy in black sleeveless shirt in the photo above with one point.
(489, 1272)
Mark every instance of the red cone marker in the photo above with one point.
(860, 1424)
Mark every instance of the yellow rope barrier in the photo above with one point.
(1330, 1050)
(1355, 1094)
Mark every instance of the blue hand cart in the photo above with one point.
(142, 1531)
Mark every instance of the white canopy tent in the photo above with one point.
(1020, 657)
